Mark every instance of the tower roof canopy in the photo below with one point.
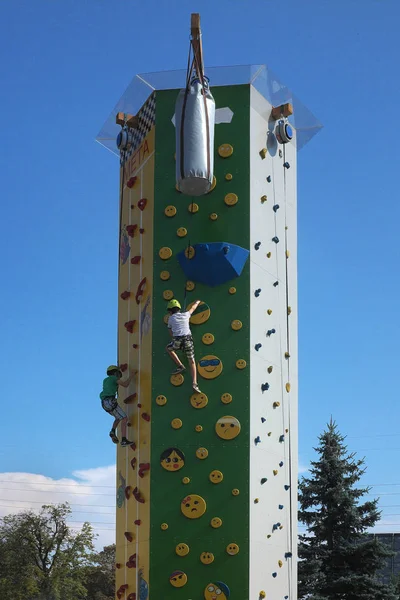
(259, 76)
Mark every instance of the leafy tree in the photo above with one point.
(41, 558)
(338, 560)
(100, 577)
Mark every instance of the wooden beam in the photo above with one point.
(125, 119)
(197, 46)
(284, 110)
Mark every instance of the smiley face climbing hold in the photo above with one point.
(217, 591)
(227, 428)
(232, 290)
(213, 216)
(185, 480)
(225, 150)
(193, 506)
(176, 423)
(216, 522)
(213, 185)
(168, 294)
(165, 253)
(231, 199)
(164, 526)
(166, 319)
(208, 339)
(229, 177)
(201, 453)
(241, 364)
(182, 549)
(226, 398)
(177, 380)
(170, 211)
(200, 315)
(172, 459)
(190, 285)
(236, 325)
(215, 476)
(198, 428)
(193, 207)
(165, 275)
(235, 492)
(178, 579)
(190, 252)
(207, 558)
(181, 232)
(198, 400)
(161, 400)
(232, 549)
(210, 366)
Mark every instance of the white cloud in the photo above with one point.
(90, 492)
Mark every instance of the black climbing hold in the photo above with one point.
(287, 487)
(263, 480)
(257, 347)
(280, 153)
(282, 438)
(257, 292)
(280, 507)
(286, 165)
(270, 332)
(257, 246)
(288, 555)
(275, 239)
(275, 207)
(257, 440)
(281, 463)
(269, 179)
(226, 249)
(264, 387)
(276, 283)
(263, 419)
(274, 574)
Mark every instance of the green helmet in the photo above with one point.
(173, 304)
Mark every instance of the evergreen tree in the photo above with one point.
(337, 558)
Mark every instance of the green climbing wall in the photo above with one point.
(229, 457)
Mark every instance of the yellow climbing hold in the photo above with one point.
(235, 492)
(201, 453)
(198, 428)
(270, 369)
(190, 252)
(287, 387)
(161, 400)
(182, 549)
(262, 594)
(286, 430)
(165, 253)
(225, 150)
(241, 363)
(269, 311)
(165, 275)
(229, 177)
(232, 290)
(287, 253)
(213, 216)
(176, 423)
(186, 480)
(231, 199)
(164, 526)
(190, 285)
(280, 563)
(269, 433)
(177, 188)
(287, 355)
(208, 339)
(276, 404)
(193, 207)
(170, 211)
(216, 522)
(198, 400)
(200, 315)
(275, 472)
(232, 549)
(289, 310)
(268, 536)
(263, 153)
(207, 558)
(215, 476)
(166, 319)
(269, 254)
(181, 232)
(226, 398)
(214, 183)
(263, 199)
(256, 500)
(210, 366)
(281, 527)
(236, 325)
(168, 294)
(177, 380)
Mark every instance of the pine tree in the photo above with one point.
(337, 558)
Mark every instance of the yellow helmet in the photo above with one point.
(112, 368)
(173, 304)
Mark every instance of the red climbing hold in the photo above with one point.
(123, 367)
(132, 206)
(128, 536)
(138, 522)
(121, 590)
(135, 260)
(143, 467)
(130, 230)
(131, 182)
(133, 446)
(140, 290)
(125, 295)
(130, 398)
(132, 560)
(142, 203)
(133, 462)
(132, 596)
(137, 495)
(139, 405)
(146, 417)
(129, 325)
(128, 492)
(135, 346)
(118, 565)
(141, 230)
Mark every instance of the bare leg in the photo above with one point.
(115, 424)
(193, 370)
(175, 357)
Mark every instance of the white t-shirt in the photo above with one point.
(179, 323)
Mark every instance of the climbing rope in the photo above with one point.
(121, 202)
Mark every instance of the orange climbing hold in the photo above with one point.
(130, 230)
(130, 398)
(129, 325)
(125, 295)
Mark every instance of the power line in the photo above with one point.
(54, 504)
(53, 492)
(24, 481)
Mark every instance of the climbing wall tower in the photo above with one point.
(207, 498)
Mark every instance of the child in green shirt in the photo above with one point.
(110, 404)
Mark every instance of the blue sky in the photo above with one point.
(63, 66)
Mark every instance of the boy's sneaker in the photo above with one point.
(178, 370)
(125, 442)
(113, 437)
(196, 388)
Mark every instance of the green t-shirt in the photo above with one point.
(110, 386)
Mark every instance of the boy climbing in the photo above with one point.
(178, 324)
(110, 404)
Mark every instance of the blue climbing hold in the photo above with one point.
(274, 574)
(276, 283)
(264, 480)
(287, 487)
(269, 179)
(286, 165)
(263, 419)
(257, 246)
(281, 463)
(257, 292)
(280, 507)
(282, 438)
(265, 387)
(288, 555)
(214, 263)
(257, 440)
(275, 526)
(257, 347)
(270, 332)
(275, 239)
(275, 207)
